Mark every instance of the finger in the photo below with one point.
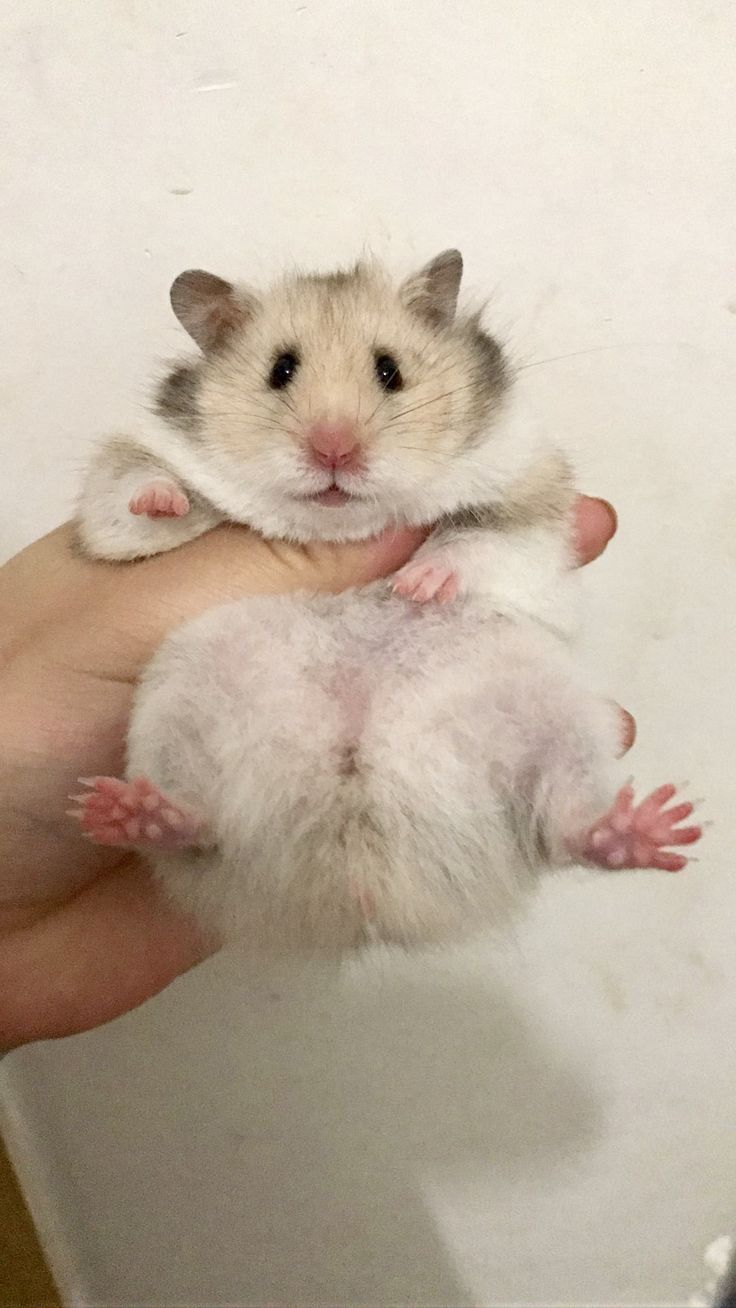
(355, 564)
(595, 523)
(627, 730)
(100, 955)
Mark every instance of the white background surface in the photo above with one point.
(554, 1120)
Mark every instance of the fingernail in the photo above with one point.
(611, 514)
(629, 730)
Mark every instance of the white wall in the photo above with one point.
(548, 1122)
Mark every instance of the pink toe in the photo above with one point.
(159, 499)
(685, 836)
(448, 590)
(654, 802)
(110, 786)
(108, 836)
(677, 813)
(668, 862)
(621, 808)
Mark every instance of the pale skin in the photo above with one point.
(84, 935)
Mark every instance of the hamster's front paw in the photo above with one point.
(427, 579)
(159, 498)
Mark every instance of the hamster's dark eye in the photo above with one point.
(283, 371)
(387, 373)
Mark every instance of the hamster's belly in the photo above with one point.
(352, 756)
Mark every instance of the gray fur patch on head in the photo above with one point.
(177, 398)
(492, 361)
(492, 375)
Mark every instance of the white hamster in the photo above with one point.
(402, 762)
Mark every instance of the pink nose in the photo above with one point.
(334, 445)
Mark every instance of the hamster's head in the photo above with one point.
(333, 406)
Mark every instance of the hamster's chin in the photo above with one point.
(331, 515)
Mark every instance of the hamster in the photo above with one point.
(402, 762)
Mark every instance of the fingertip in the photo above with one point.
(595, 524)
(383, 554)
(628, 730)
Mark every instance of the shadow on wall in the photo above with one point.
(310, 1128)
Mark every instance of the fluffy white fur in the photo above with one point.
(448, 439)
(366, 768)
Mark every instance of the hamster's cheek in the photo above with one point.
(279, 471)
(415, 484)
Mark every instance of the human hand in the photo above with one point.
(84, 933)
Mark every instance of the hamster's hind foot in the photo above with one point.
(159, 498)
(135, 814)
(630, 836)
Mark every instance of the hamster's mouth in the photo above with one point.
(331, 498)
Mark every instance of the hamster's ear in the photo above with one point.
(433, 291)
(209, 308)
